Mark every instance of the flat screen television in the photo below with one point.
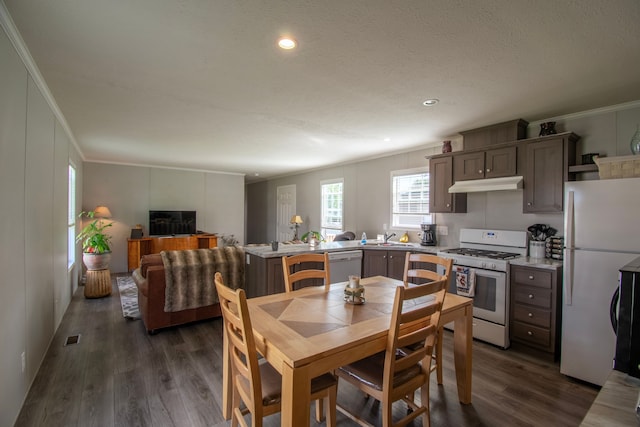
(169, 223)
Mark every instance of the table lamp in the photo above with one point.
(296, 220)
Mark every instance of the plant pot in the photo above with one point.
(96, 261)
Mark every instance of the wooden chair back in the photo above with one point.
(413, 332)
(243, 356)
(292, 273)
(424, 274)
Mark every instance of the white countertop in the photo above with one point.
(545, 263)
(265, 251)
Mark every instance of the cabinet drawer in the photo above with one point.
(532, 296)
(532, 315)
(531, 334)
(532, 277)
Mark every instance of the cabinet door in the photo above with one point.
(468, 166)
(543, 179)
(500, 162)
(440, 179)
(375, 263)
(395, 264)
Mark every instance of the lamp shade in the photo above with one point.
(101, 212)
(296, 219)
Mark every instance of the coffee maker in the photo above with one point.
(428, 235)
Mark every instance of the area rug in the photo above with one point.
(128, 297)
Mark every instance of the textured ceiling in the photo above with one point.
(200, 84)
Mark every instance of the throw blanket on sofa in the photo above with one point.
(189, 275)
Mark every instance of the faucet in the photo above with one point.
(388, 236)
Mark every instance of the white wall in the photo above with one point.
(367, 184)
(131, 191)
(36, 285)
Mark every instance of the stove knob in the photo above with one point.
(484, 265)
(494, 266)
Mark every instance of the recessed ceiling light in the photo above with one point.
(287, 43)
(430, 102)
(387, 139)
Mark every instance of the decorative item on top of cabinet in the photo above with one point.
(547, 128)
(495, 134)
(535, 308)
(446, 146)
(440, 179)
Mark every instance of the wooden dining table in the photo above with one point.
(310, 331)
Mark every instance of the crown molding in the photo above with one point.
(588, 113)
(6, 22)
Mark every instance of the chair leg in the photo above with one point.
(424, 401)
(439, 355)
(387, 414)
(333, 403)
(320, 410)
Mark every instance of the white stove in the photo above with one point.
(483, 259)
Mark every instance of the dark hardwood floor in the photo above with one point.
(117, 375)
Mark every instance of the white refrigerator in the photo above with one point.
(602, 234)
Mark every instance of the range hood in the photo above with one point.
(491, 184)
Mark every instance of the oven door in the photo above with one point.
(490, 299)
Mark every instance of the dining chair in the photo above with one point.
(405, 366)
(256, 384)
(292, 262)
(429, 275)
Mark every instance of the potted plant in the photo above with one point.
(315, 235)
(96, 252)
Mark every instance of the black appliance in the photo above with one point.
(428, 235)
(625, 319)
(169, 223)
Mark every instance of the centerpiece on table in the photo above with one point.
(96, 252)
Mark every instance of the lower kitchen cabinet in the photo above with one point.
(263, 276)
(535, 308)
(383, 263)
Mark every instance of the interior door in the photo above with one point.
(286, 208)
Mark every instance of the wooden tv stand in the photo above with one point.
(136, 248)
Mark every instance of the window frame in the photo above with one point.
(327, 229)
(426, 217)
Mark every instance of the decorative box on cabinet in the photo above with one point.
(535, 308)
(495, 134)
(440, 179)
(494, 163)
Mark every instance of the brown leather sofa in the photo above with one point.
(150, 279)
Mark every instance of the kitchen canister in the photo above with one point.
(536, 249)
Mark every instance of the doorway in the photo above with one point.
(286, 208)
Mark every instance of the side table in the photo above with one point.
(98, 284)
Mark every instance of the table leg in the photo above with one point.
(462, 353)
(296, 395)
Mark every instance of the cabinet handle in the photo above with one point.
(488, 170)
(528, 203)
(448, 205)
(530, 333)
(530, 296)
(384, 257)
(390, 256)
(480, 171)
(530, 314)
(531, 277)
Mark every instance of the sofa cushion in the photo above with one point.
(149, 261)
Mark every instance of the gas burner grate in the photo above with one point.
(483, 253)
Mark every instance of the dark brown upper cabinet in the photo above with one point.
(493, 163)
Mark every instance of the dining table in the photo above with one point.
(311, 331)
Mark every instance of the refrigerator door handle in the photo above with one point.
(613, 310)
(568, 252)
(568, 276)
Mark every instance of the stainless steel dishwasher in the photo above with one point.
(344, 264)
